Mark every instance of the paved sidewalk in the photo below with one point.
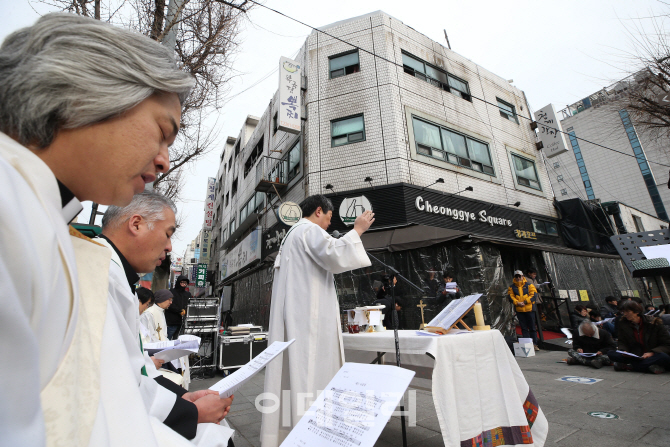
(641, 401)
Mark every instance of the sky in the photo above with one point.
(556, 51)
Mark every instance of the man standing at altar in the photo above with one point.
(304, 307)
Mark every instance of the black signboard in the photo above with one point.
(403, 204)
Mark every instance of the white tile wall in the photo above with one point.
(381, 91)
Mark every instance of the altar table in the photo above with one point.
(480, 394)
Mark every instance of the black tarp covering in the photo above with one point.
(600, 277)
(478, 268)
(251, 298)
(585, 226)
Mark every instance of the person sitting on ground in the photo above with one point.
(594, 315)
(643, 336)
(610, 310)
(591, 340)
(448, 289)
(579, 314)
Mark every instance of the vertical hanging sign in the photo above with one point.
(550, 131)
(288, 107)
(209, 204)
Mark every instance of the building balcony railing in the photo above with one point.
(271, 175)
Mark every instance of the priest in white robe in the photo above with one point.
(70, 132)
(138, 238)
(304, 306)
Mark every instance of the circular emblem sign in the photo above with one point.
(602, 415)
(289, 213)
(352, 207)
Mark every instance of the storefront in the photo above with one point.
(423, 233)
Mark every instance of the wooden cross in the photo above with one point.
(421, 306)
(158, 329)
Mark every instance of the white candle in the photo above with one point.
(479, 315)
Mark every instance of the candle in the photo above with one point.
(479, 316)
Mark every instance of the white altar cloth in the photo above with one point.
(480, 394)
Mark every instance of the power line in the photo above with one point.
(471, 96)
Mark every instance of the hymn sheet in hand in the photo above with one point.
(229, 384)
(353, 409)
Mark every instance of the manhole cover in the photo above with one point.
(602, 415)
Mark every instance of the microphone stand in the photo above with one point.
(395, 322)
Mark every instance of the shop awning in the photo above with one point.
(407, 238)
(542, 247)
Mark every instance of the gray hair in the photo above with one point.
(588, 323)
(68, 71)
(148, 204)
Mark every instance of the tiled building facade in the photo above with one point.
(387, 111)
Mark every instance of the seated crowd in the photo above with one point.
(626, 335)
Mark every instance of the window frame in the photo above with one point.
(446, 153)
(424, 76)
(514, 117)
(418, 158)
(332, 138)
(544, 226)
(275, 125)
(511, 153)
(258, 206)
(344, 69)
(254, 156)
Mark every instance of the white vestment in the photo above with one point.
(67, 382)
(157, 400)
(304, 307)
(157, 325)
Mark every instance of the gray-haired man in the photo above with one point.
(138, 236)
(87, 112)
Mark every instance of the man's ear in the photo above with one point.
(318, 210)
(135, 223)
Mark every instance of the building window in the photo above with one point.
(233, 189)
(557, 165)
(232, 227)
(507, 110)
(559, 178)
(254, 205)
(641, 157)
(638, 223)
(446, 145)
(344, 64)
(288, 167)
(253, 157)
(224, 234)
(545, 227)
(347, 130)
(580, 164)
(564, 192)
(433, 75)
(237, 148)
(526, 174)
(226, 200)
(274, 123)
